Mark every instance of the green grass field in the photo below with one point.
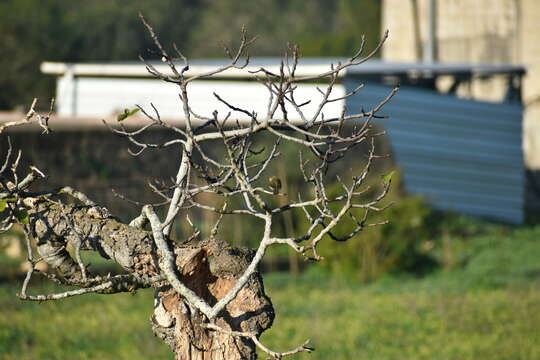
(487, 308)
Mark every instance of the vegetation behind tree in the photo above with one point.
(33, 31)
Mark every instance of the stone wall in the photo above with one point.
(95, 161)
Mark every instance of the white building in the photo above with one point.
(98, 90)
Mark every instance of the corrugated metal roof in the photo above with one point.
(306, 67)
(460, 154)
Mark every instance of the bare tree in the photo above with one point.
(209, 301)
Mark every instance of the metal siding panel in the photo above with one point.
(456, 184)
(485, 175)
(432, 151)
(436, 192)
(462, 155)
(445, 122)
(416, 96)
(446, 141)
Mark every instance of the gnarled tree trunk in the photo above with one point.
(210, 269)
(207, 267)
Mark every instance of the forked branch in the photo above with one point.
(223, 158)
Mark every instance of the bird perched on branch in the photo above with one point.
(275, 184)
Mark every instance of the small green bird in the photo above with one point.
(275, 184)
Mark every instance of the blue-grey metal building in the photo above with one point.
(460, 154)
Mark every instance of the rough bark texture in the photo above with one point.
(55, 225)
(208, 267)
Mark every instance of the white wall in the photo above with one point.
(99, 97)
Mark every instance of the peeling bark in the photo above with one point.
(54, 225)
(209, 268)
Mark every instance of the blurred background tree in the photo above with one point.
(32, 31)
